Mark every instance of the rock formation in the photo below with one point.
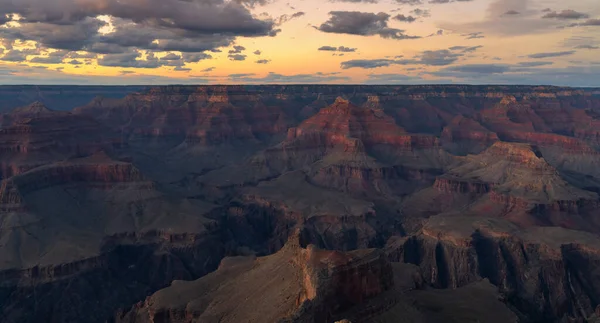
(292, 285)
(175, 204)
(546, 273)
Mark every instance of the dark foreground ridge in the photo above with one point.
(299, 203)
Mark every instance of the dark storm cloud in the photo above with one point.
(551, 54)
(566, 14)
(363, 24)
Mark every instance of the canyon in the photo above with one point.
(299, 203)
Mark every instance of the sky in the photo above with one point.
(553, 42)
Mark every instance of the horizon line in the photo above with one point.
(301, 84)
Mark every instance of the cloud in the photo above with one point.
(355, 1)
(475, 35)
(437, 33)
(237, 49)
(252, 3)
(195, 57)
(465, 49)
(551, 54)
(285, 18)
(421, 12)
(511, 13)
(19, 55)
(367, 63)
(208, 69)
(587, 47)
(404, 18)
(409, 2)
(257, 52)
(497, 22)
(534, 64)
(440, 57)
(447, 1)
(192, 26)
(171, 57)
(83, 55)
(342, 49)
(130, 59)
(589, 22)
(399, 79)
(508, 74)
(237, 57)
(4, 19)
(263, 61)
(38, 75)
(419, 2)
(363, 24)
(471, 69)
(565, 14)
(235, 54)
(276, 78)
(47, 60)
